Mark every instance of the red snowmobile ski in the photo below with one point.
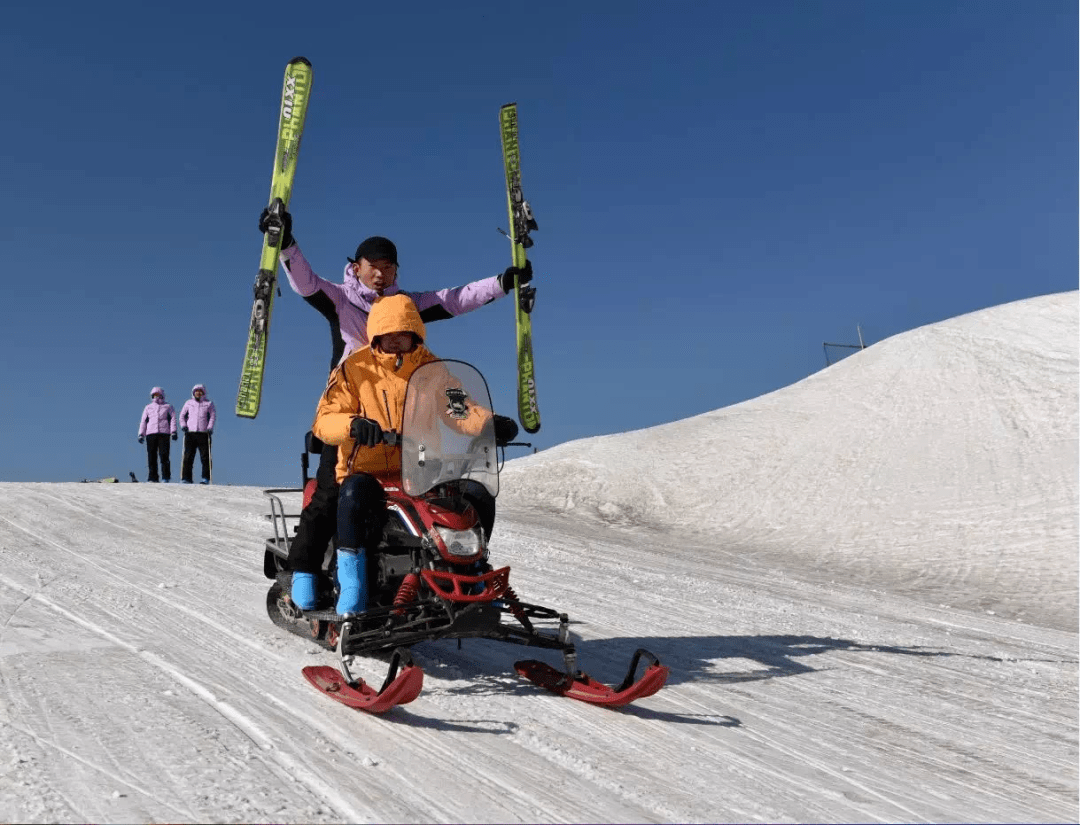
(430, 577)
(398, 689)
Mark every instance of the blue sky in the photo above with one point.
(720, 187)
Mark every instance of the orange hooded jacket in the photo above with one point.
(371, 384)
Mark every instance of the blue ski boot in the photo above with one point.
(352, 580)
(303, 590)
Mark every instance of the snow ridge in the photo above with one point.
(940, 462)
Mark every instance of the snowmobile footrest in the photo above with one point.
(585, 689)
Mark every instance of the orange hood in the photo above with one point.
(395, 313)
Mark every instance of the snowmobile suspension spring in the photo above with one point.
(407, 591)
(514, 603)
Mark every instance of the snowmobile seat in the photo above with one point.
(309, 491)
(312, 444)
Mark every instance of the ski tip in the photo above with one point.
(508, 105)
(303, 60)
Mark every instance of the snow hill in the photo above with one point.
(941, 462)
(865, 586)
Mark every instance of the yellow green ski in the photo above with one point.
(294, 103)
(521, 224)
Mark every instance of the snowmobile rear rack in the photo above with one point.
(279, 517)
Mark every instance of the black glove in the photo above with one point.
(184, 429)
(506, 430)
(365, 431)
(174, 436)
(523, 275)
(142, 440)
(287, 238)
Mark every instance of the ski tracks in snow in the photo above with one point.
(828, 702)
(142, 681)
(154, 617)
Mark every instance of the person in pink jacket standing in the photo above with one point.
(197, 419)
(157, 424)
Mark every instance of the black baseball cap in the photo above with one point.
(376, 248)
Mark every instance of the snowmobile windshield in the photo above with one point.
(448, 431)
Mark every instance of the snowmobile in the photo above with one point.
(430, 576)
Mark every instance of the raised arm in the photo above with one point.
(302, 277)
(438, 304)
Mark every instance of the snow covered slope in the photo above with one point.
(941, 462)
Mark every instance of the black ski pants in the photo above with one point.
(484, 502)
(361, 512)
(157, 446)
(193, 442)
(318, 521)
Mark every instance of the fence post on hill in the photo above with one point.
(825, 345)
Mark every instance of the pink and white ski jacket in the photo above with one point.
(157, 416)
(347, 305)
(198, 416)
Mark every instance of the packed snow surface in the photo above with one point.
(865, 585)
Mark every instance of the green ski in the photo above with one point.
(521, 223)
(294, 103)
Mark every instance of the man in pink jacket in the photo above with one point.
(157, 424)
(197, 419)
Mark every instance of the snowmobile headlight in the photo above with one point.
(461, 542)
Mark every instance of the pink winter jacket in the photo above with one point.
(157, 417)
(198, 416)
(346, 305)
